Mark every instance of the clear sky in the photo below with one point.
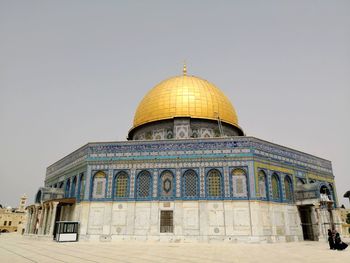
(73, 72)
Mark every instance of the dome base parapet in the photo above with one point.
(184, 128)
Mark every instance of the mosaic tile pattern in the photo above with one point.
(200, 155)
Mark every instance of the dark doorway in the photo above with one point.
(166, 222)
(306, 222)
(58, 216)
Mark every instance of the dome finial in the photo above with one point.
(184, 70)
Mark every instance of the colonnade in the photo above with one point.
(41, 218)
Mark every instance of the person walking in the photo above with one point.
(331, 239)
(339, 245)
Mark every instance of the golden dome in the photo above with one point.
(185, 96)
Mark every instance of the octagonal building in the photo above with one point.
(187, 173)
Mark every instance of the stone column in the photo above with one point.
(35, 218)
(48, 219)
(45, 221)
(41, 221)
(30, 231)
(31, 228)
(30, 223)
(52, 225)
(316, 222)
(29, 219)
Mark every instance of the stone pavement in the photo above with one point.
(16, 248)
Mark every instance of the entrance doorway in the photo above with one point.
(58, 216)
(305, 213)
(166, 222)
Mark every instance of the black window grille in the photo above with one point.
(144, 185)
(190, 184)
(121, 187)
(214, 183)
(166, 222)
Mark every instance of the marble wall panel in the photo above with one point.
(190, 218)
(216, 218)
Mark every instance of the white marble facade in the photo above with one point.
(231, 221)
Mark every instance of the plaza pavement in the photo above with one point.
(16, 248)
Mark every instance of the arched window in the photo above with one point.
(99, 185)
(81, 186)
(166, 185)
(275, 187)
(239, 183)
(214, 182)
(61, 185)
(288, 188)
(262, 184)
(73, 188)
(67, 188)
(121, 185)
(144, 185)
(190, 184)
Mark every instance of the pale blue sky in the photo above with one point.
(74, 71)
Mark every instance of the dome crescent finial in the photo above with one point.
(184, 70)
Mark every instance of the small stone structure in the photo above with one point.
(13, 219)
